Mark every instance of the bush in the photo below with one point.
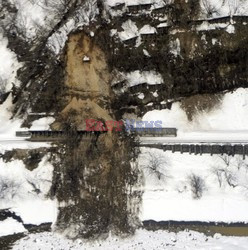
(155, 164)
(8, 188)
(197, 185)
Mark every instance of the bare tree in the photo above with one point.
(229, 175)
(219, 173)
(240, 163)
(197, 185)
(234, 6)
(8, 188)
(208, 8)
(155, 164)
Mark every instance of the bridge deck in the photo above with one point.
(48, 136)
(202, 148)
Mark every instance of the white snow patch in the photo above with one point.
(141, 96)
(8, 126)
(26, 191)
(175, 48)
(113, 32)
(37, 211)
(230, 29)
(161, 25)
(130, 30)
(137, 77)
(146, 53)
(8, 66)
(8, 139)
(214, 41)
(155, 94)
(42, 123)
(147, 29)
(85, 14)
(11, 226)
(31, 15)
(57, 41)
(211, 26)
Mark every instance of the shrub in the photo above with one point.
(197, 185)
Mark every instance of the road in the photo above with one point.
(201, 137)
(20, 143)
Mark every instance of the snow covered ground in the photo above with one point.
(170, 198)
(10, 226)
(8, 66)
(18, 185)
(24, 192)
(141, 240)
(8, 139)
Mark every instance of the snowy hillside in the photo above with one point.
(231, 113)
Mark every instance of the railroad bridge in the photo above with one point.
(200, 148)
(163, 138)
(167, 140)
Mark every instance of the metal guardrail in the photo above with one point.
(146, 132)
(23, 134)
(50, 133)
(200, 149)
(156, 132)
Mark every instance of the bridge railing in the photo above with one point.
(156, 132)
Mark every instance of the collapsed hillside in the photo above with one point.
(94, 179)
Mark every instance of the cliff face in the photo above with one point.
(193, 56)
(190, 53)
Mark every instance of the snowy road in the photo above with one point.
(207, 137)
(20, 143)
(151, 140)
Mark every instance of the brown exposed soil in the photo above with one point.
(88, 93)
(91, 77)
